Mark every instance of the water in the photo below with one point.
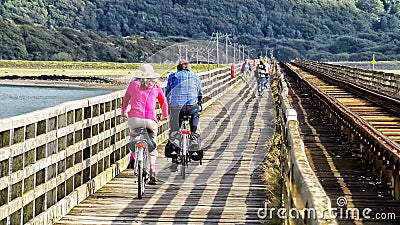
(17, 100)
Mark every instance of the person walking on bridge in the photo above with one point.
(246, 68)
(184, 93)
(142, 94)
(268, 70)
(262, 72)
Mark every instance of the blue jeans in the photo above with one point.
(177, 114)
(261, 82)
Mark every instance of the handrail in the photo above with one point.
(54, 158)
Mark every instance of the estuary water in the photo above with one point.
(17, 100)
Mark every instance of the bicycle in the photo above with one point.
(184, 153)
(142, 164)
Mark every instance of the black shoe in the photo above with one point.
(176, 160)
(153, 180)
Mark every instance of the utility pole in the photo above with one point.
(238, 53)
(197, 59)
(234, 53)
(217, 50)
(208, 58)
(226, 47)
(180, 53)
(243, 52)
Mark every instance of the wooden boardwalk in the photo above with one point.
(228, 187)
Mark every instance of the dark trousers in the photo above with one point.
(176, 117)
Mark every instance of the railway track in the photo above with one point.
(347, 176)
(385, 121)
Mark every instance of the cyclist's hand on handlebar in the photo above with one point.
(200, 107)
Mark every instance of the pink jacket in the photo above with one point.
(143, 102)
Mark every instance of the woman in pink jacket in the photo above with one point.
(142, 95)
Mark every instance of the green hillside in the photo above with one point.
(83, 30)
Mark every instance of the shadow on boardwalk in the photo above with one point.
(236, 132)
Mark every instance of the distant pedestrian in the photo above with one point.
(246, 68)
(262, 74)
(268, 68)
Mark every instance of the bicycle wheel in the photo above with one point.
(183, 166)
(146, 169)
(141, 179)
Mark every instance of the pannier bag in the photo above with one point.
(196, 155)
(172, 148)
(194, 147)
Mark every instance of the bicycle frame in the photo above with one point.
(142, 163)
(185, 148)
(140, 149)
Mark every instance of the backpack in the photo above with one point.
(261, 71)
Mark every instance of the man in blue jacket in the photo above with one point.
(184, 94)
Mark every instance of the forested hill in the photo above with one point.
(93, 30)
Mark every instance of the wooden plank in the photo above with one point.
(227, 188)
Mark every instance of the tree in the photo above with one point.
(62, 56)
(286, 54)
(371, 6)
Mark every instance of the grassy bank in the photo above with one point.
(98, 69)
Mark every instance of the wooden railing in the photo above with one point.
(52, 159)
